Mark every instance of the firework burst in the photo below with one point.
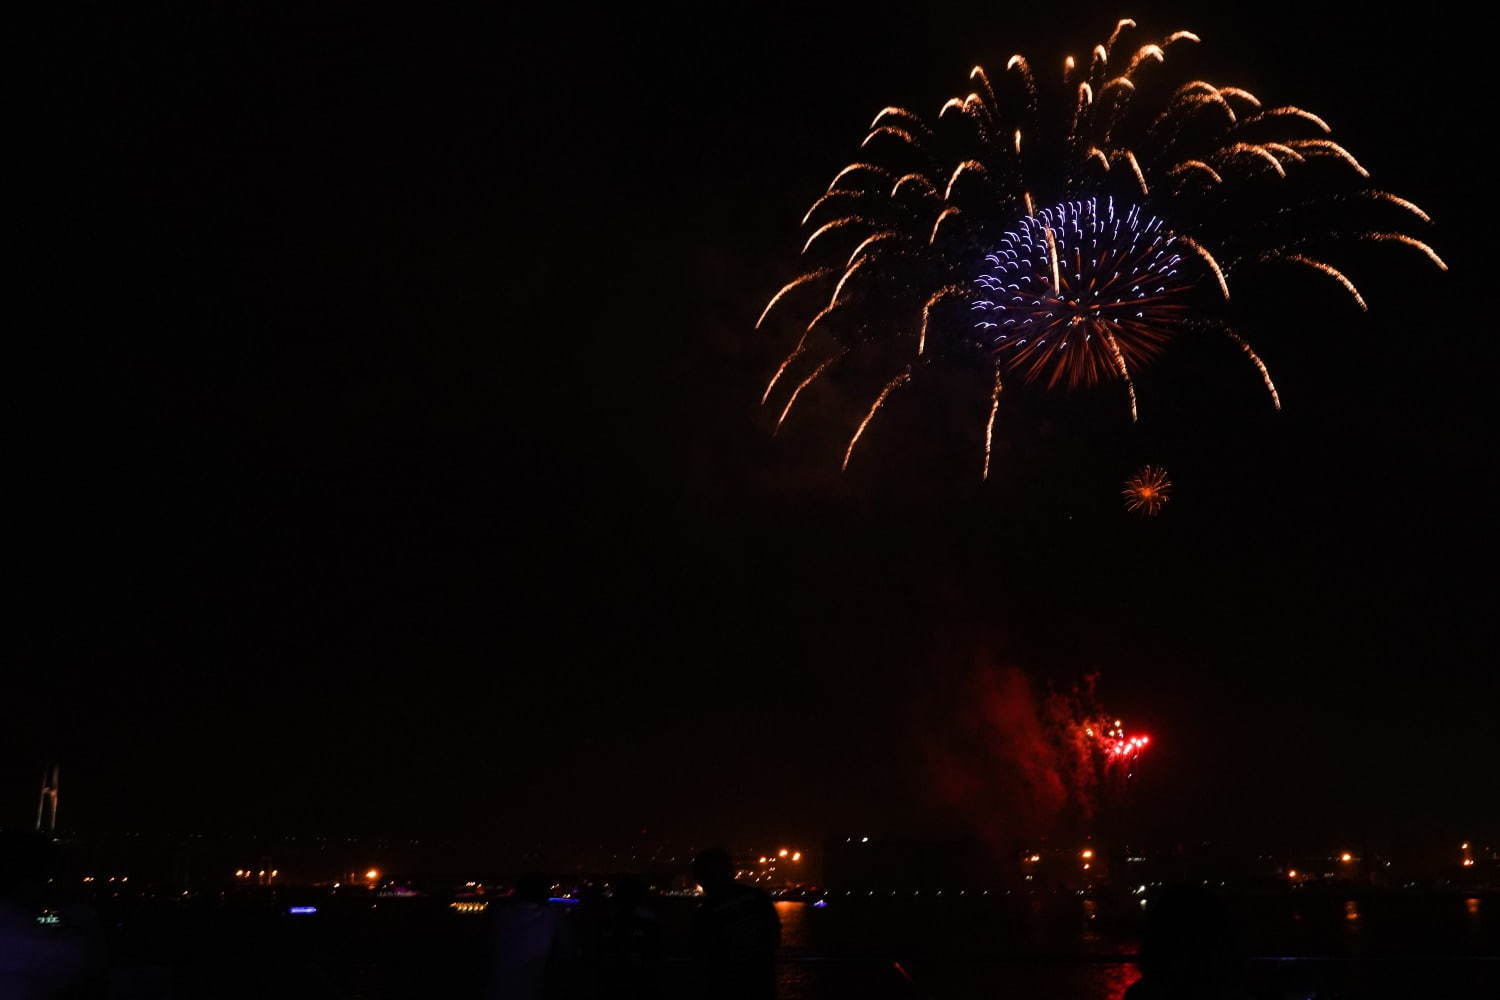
(1081, 293)
(1061, 229)
(1032, 760)
(1114, 747)
(1147, 490)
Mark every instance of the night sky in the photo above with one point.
(389, 457)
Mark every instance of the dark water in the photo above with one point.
(1327, 948)
(1304, 947)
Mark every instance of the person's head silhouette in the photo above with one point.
(630, 892)
(1189, 947)
(25, 859)
(713, 870)
(533, 888)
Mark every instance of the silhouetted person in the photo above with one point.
(633, 950)
(1189, 951)
(47, 950)
(589, 919)
(735, 933)
(528, 934)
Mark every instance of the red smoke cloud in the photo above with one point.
(1017, 760)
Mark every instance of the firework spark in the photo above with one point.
(1335, 274)
(1086, 222)
(1112, 742)
(792, 399)
(1117, 751)
(989, 425)
(804, 279)
(1147, 490)
(879, 402)
(1260, 366)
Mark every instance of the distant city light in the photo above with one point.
(1291, 873)
(1087, 854)
(864, 840)
(796, 855)
(469, 907)
(1346, 857)
(782, 853)
(302, 909)
(372, 874)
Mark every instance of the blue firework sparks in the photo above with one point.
(1081, 292)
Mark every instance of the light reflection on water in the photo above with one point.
(793, 923)
(809, 973)
(1051, 948)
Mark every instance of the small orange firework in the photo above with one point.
(1147, 490)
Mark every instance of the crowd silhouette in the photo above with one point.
(613, 947)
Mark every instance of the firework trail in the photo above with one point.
(1062, 230)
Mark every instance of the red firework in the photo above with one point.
(1114, 744)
